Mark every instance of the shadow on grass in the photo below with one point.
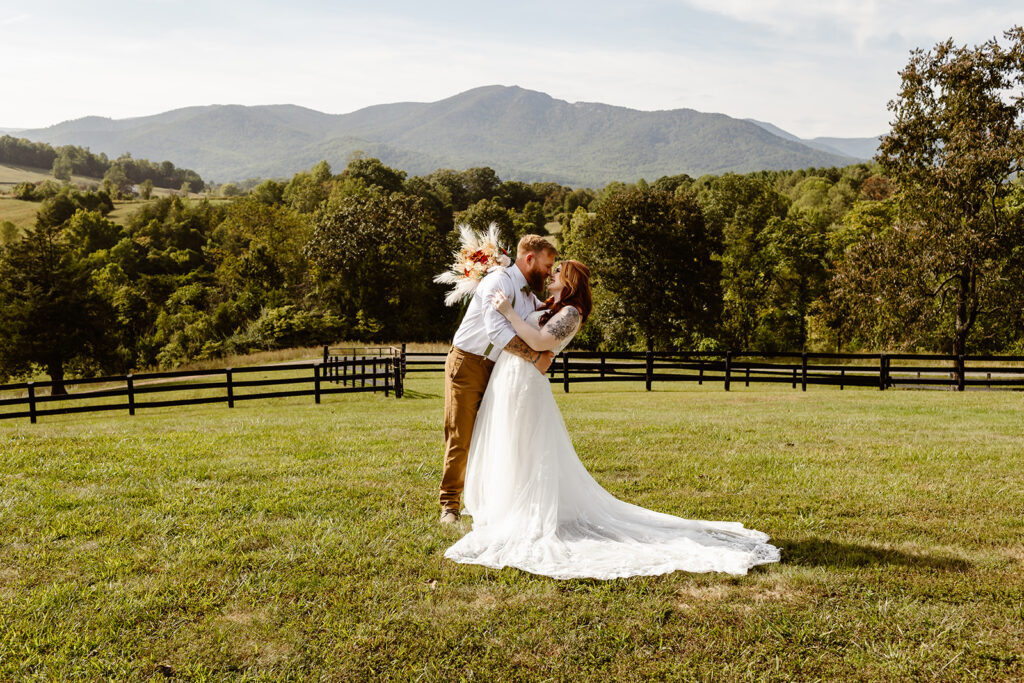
(409, 393)
(815, 552)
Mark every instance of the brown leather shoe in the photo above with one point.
(450, 516)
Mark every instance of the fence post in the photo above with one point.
(803, 371)
(602, 365)
(131, 393)
(842, 379)
(700, 371)
(387, 375)
(316, 381)
(746, 376)
(402, 369)
(883, 378)
(362, 372)
(728, 369)
(32, 402)
(325, 354)
(565, 371)
(231, 389)
(961, 380)
(650, 367)
(399, 381)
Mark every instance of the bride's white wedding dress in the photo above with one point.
(535, 506)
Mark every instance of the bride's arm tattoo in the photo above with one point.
(517, 347)
(563, 324)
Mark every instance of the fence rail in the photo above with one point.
(341, 371)
(884, 371)
(373, 369)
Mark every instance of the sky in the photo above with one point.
(812, 67)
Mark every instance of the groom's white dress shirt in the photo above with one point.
(484, 331)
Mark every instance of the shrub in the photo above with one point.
(288, 326)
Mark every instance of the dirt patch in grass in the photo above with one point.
(768, 591)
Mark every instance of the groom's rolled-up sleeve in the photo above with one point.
(499, 329)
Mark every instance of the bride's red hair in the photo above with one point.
(575, 279)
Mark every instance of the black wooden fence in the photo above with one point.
(374, 369)
(882, 371)
(341, 371)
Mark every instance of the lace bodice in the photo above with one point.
(564, 322)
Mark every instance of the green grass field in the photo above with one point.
(12, 175)
(21, 213)
(282, 540)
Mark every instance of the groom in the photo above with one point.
(482, 336)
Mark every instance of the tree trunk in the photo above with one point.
(802, 298)
(963, 319)
(56, 371)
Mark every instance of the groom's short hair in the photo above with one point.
(535, 244)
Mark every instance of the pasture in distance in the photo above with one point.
(23, 213)
(282, 540)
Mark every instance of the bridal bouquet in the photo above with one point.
(478, 254)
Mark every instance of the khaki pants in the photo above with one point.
(465, 379)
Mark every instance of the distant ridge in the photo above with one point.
(522, 134)
(860, 148)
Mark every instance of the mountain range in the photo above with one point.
(521, 134)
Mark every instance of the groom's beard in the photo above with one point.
(536, 282)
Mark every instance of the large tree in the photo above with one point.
(372, 171)
(481, 215)
(956, 141)
(794, 254)
(374, 257)
(50, 315)
(741, 208)
(651, 256)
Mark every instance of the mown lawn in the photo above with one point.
(283, 540)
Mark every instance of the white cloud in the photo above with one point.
(870, 21)
(16, 19)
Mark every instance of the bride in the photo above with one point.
(533, 503)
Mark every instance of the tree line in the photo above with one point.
(67, 160)
(921, 250)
